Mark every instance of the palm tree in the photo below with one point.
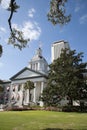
(29, 85)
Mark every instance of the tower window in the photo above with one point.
(33, 66)
(36, 66)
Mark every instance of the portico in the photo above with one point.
(18, 96)
(36, 72)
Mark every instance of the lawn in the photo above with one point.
(42, 120)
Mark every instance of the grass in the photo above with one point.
(42, 120)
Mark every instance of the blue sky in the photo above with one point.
(31, 18)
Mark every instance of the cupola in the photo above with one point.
(38, 62)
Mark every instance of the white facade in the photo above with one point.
(36, 71)
(57, 47)
(16, 95)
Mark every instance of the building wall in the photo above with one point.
(57, 47)
(16, 95)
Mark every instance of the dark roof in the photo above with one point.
(5, 81)
(26, 68)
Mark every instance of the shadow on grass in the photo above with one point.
(56, 129)
(60, 129)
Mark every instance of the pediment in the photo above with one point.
(26, 73)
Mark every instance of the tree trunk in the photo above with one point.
(81, 105)
(29, 97)
(71, 101)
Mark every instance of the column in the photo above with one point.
(27, 96)
(42, 87)
(10, 94)
(34, 99)
(16, 91)
(21, 96)
(39, 66)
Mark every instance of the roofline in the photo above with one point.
(5, 82)
(59, 42)
(24, 70)
(30, 78)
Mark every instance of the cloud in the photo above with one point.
(31, 30)
(77, 8)
(31, 12)
(83, 19)
(2, 29)
(5, 4)
(79, 5)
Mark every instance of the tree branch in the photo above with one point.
(16, 37)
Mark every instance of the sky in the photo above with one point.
(31, 18)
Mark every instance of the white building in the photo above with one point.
(36, 71)
(57, 47)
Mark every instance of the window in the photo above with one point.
(8, 88)
(36, 66)
(13, 88)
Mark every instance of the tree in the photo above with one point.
(29, 85)
(65, 78)
(1, 89)
(16, 37)
(0, 50)
(1, 92)
(56, 15)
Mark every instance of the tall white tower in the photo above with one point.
(57, 47)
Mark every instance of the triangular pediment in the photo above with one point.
(26, 73)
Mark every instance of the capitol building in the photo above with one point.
(36, 71)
